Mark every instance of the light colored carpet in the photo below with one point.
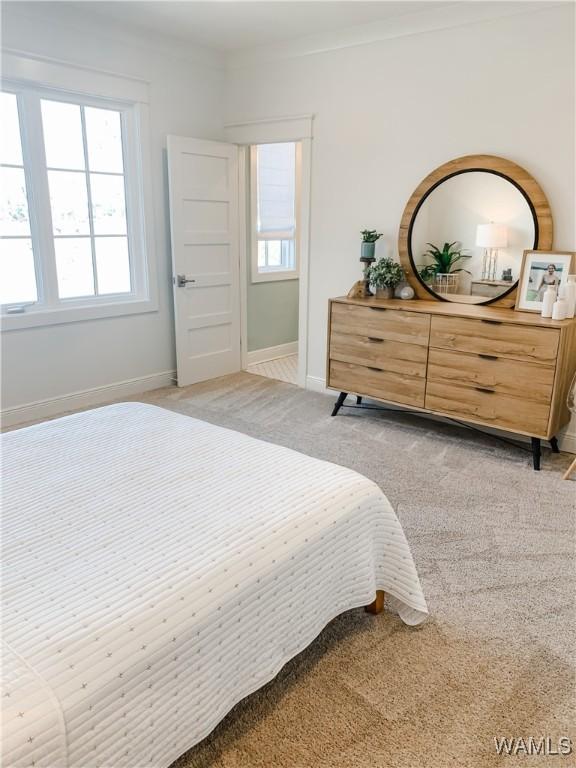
(494, 545)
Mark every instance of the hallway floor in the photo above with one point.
(281, 369)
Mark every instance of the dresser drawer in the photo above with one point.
(380, 323)
(494, 409)
(517, 342)
(373, 382)
(531, 381)
(393, 356)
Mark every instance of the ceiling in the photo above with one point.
(232, 26)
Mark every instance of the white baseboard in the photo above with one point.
(54, 406)
(566, 438)
(318, 384)
(567, 441)
(271, 353)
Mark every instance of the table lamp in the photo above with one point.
(491, 237)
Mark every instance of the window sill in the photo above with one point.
(266, 277)
(35, 318)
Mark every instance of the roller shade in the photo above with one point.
(276, 174)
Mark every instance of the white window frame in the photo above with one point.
(259, 275)
(32, 80)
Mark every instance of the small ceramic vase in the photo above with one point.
(559, 309)
(570, 296)
(548, 301)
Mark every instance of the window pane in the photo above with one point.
(74, 267)
(69, 201)
(10, 146)
(17, 277)
(62, 135)
(104, 134)
(274, 253)
(112, 265)
(276, 181)
(261, 253)
(13, 203)
(108, 206)
(288, 254)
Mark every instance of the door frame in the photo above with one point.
(268, 131)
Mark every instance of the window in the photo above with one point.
(274, 196)
(71, 209)
(17, 271)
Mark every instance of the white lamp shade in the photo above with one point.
(491, 236)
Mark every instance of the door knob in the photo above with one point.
(181, 281)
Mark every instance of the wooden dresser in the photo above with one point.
(488, 366)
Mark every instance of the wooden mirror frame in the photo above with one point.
(515, 174)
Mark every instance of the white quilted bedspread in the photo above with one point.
(156, 569)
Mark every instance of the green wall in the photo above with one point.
(272, 313)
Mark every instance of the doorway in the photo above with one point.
(272, 264)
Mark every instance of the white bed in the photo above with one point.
(157, 569)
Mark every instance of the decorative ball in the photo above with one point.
(407, 292)
(398, 289)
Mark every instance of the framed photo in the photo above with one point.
(539, 270)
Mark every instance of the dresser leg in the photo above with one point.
(341, 397)
(554, 445)
(536, 452)
(358, 400)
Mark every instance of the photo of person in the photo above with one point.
(541, 276)
(540, 270)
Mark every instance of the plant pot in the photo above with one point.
(384, 292)
(367, 251)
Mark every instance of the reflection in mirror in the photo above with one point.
(468, 237)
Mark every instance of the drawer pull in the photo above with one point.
(378, 309)
(374, 340)
(484, 389)
(492, 322)
(370, 368)
(488, 357)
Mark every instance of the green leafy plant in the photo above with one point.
(385, 273)
(443, 261)
(370, 235)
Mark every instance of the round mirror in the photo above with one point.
(466, 228)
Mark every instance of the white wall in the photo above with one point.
(389, 112)
(186, 99)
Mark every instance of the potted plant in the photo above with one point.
(443, 262)
(385, 276)
(361, 288)
(369, 237)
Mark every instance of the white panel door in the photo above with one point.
(203, 186)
